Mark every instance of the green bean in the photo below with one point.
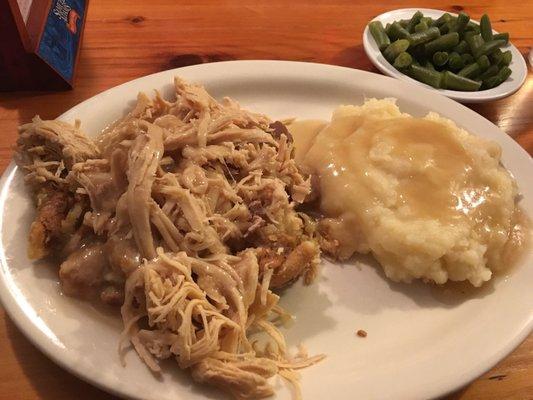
(497, 79)
(493, 70)
(501, 36)
(428, 20)
(403, 22)
(403, 60)
(507, 57)
(395, 48)
(474, 42)
(486, 28)
(460, 23)
(417, 52)
(423, 37)
(456, 82)
(447, 27)
(448, 52)
(487, 48)
(443, 43)
(483, 63)
(467, 58)
(472, 27)
(415, 19)
(379, 34)
(440, 58)
(444, 18)
(455, 62)
(429, 65)
(496, 56)
(425, 75)
(501, 58)
(421, 27)
(396, 32)
(470, 71)
(469, 34)
(462, 47)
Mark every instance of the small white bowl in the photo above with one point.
(511, 85)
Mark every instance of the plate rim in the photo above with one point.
(465, 97)
(35, 335)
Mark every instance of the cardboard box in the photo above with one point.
(40, 43)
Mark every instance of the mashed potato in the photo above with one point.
(428, 199)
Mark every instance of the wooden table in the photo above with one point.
(124, 41)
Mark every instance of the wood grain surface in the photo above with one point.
(128, 39)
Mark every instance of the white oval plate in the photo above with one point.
(421, 343)
(511, 85)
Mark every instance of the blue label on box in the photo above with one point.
(61, 36)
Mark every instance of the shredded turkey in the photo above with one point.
(182, 212)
